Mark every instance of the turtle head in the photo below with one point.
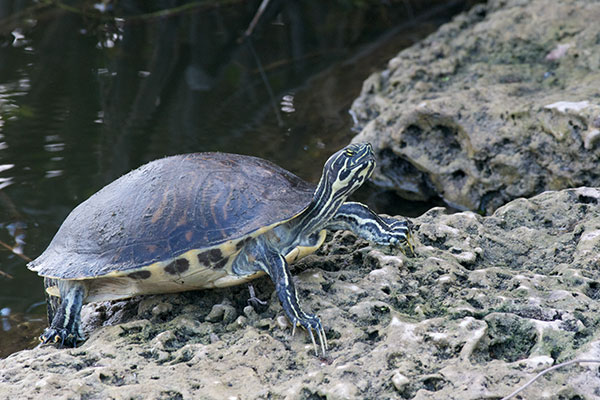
(343, 173)
(348, 169)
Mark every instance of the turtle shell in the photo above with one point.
(169, 207)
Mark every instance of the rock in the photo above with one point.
(250, 313)
(491, 107)
(400, 381)
(432, 326)
(283, 323)
(222, 312)
(162, 309)
(340, 391)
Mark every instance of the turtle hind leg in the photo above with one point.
(65, 327)
(254, 301)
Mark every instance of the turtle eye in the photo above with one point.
(349, 152)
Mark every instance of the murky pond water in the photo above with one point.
(87, 94)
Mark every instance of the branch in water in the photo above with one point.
(12, 250)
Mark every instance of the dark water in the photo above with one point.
(87, 96)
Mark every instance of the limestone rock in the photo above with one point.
(501, 103)
(431, 326)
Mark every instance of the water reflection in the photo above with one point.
(287, 103)
(4, 313)
(87, 96)
(5, 166)
(5, 182)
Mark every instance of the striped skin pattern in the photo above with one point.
(359, 218)
(67, 330)
(233, 219)
(343, 173)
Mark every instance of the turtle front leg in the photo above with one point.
(276, 266)
(65, 327)
(358, 218)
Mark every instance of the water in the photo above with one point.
(85, 97)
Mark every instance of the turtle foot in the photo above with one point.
(399, 235)
(60, 336)
(312, 323)
(254, 301)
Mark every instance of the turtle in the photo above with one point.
(204, 220)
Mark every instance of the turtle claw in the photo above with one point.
(52, 335)
(312, 338)
(59, 336)
(313, 323)
(410, 246)
(322, 339)
(396, 234)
